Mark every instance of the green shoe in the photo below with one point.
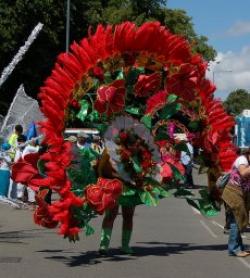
(126, 236)
(103, 251)
(127, 250)
(105, 240)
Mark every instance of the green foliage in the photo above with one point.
(81, 177)
(169, 110)
(149, 198)
(17, 18)
(84, 174)
(82, 114)
(204, 204)
(147, 121)
(237, 101)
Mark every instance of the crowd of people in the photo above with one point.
(20, 144)
(14, 148)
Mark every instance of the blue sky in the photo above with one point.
(227, 26)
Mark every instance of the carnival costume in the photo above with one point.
(138, 86)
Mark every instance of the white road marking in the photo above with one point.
(208, 229)
(219, 225)
(195, 211)
(244, 262)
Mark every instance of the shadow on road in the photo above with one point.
(154, 249)
(17, 236)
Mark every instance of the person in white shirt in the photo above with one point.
(31, 148)
(187, 161)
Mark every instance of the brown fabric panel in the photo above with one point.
(236, 200)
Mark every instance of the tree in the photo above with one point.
(18, 17)
(237, 101)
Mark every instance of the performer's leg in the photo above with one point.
(20, 191)
(127, 227)
(107, 226)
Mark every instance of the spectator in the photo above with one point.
(187, 161)
(32, 147)
(97, 144)
(82, 140)
(13, 138)
(5, 161)
(19, 150)
(235, 196)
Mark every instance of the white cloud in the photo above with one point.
(239, 28)
(231, 71)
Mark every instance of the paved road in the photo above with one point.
(171, 240)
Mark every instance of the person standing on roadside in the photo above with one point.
(187, 161)
(235, 195)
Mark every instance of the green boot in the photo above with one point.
(105, 240)
(126, 236)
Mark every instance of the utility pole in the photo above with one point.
(67, 25)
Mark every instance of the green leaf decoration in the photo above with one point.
(182, 147)
(89, 154)
(133, 75)
(163, 193)
(101, 128)
(83, 173)
(82, 114)
(182, 192)
(119, 75)
(93, 116)
(194, 125)
(96, 83)
(176, 173)
(169, 110)
(151, 181)
(149, 198)
(204, 204)
(133, 110)
(161, 135)
(107, 77)
(136, 165)
(172, 98)
(194, 203)
(89, 230)
(147, 121)
(41, 167)
(128, 191)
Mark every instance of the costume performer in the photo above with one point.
(138, 86)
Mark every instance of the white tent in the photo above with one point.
(23, 110)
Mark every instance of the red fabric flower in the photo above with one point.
(125, 154)
(25, 171)
(104, 194)
(147, 84)
(111, 98)
(166, 171)
(183, 82)
(75, 104)
(147, 160)
(41, 215)
(156, 102)
(123, 136)
(172, 160)
(98, 73)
